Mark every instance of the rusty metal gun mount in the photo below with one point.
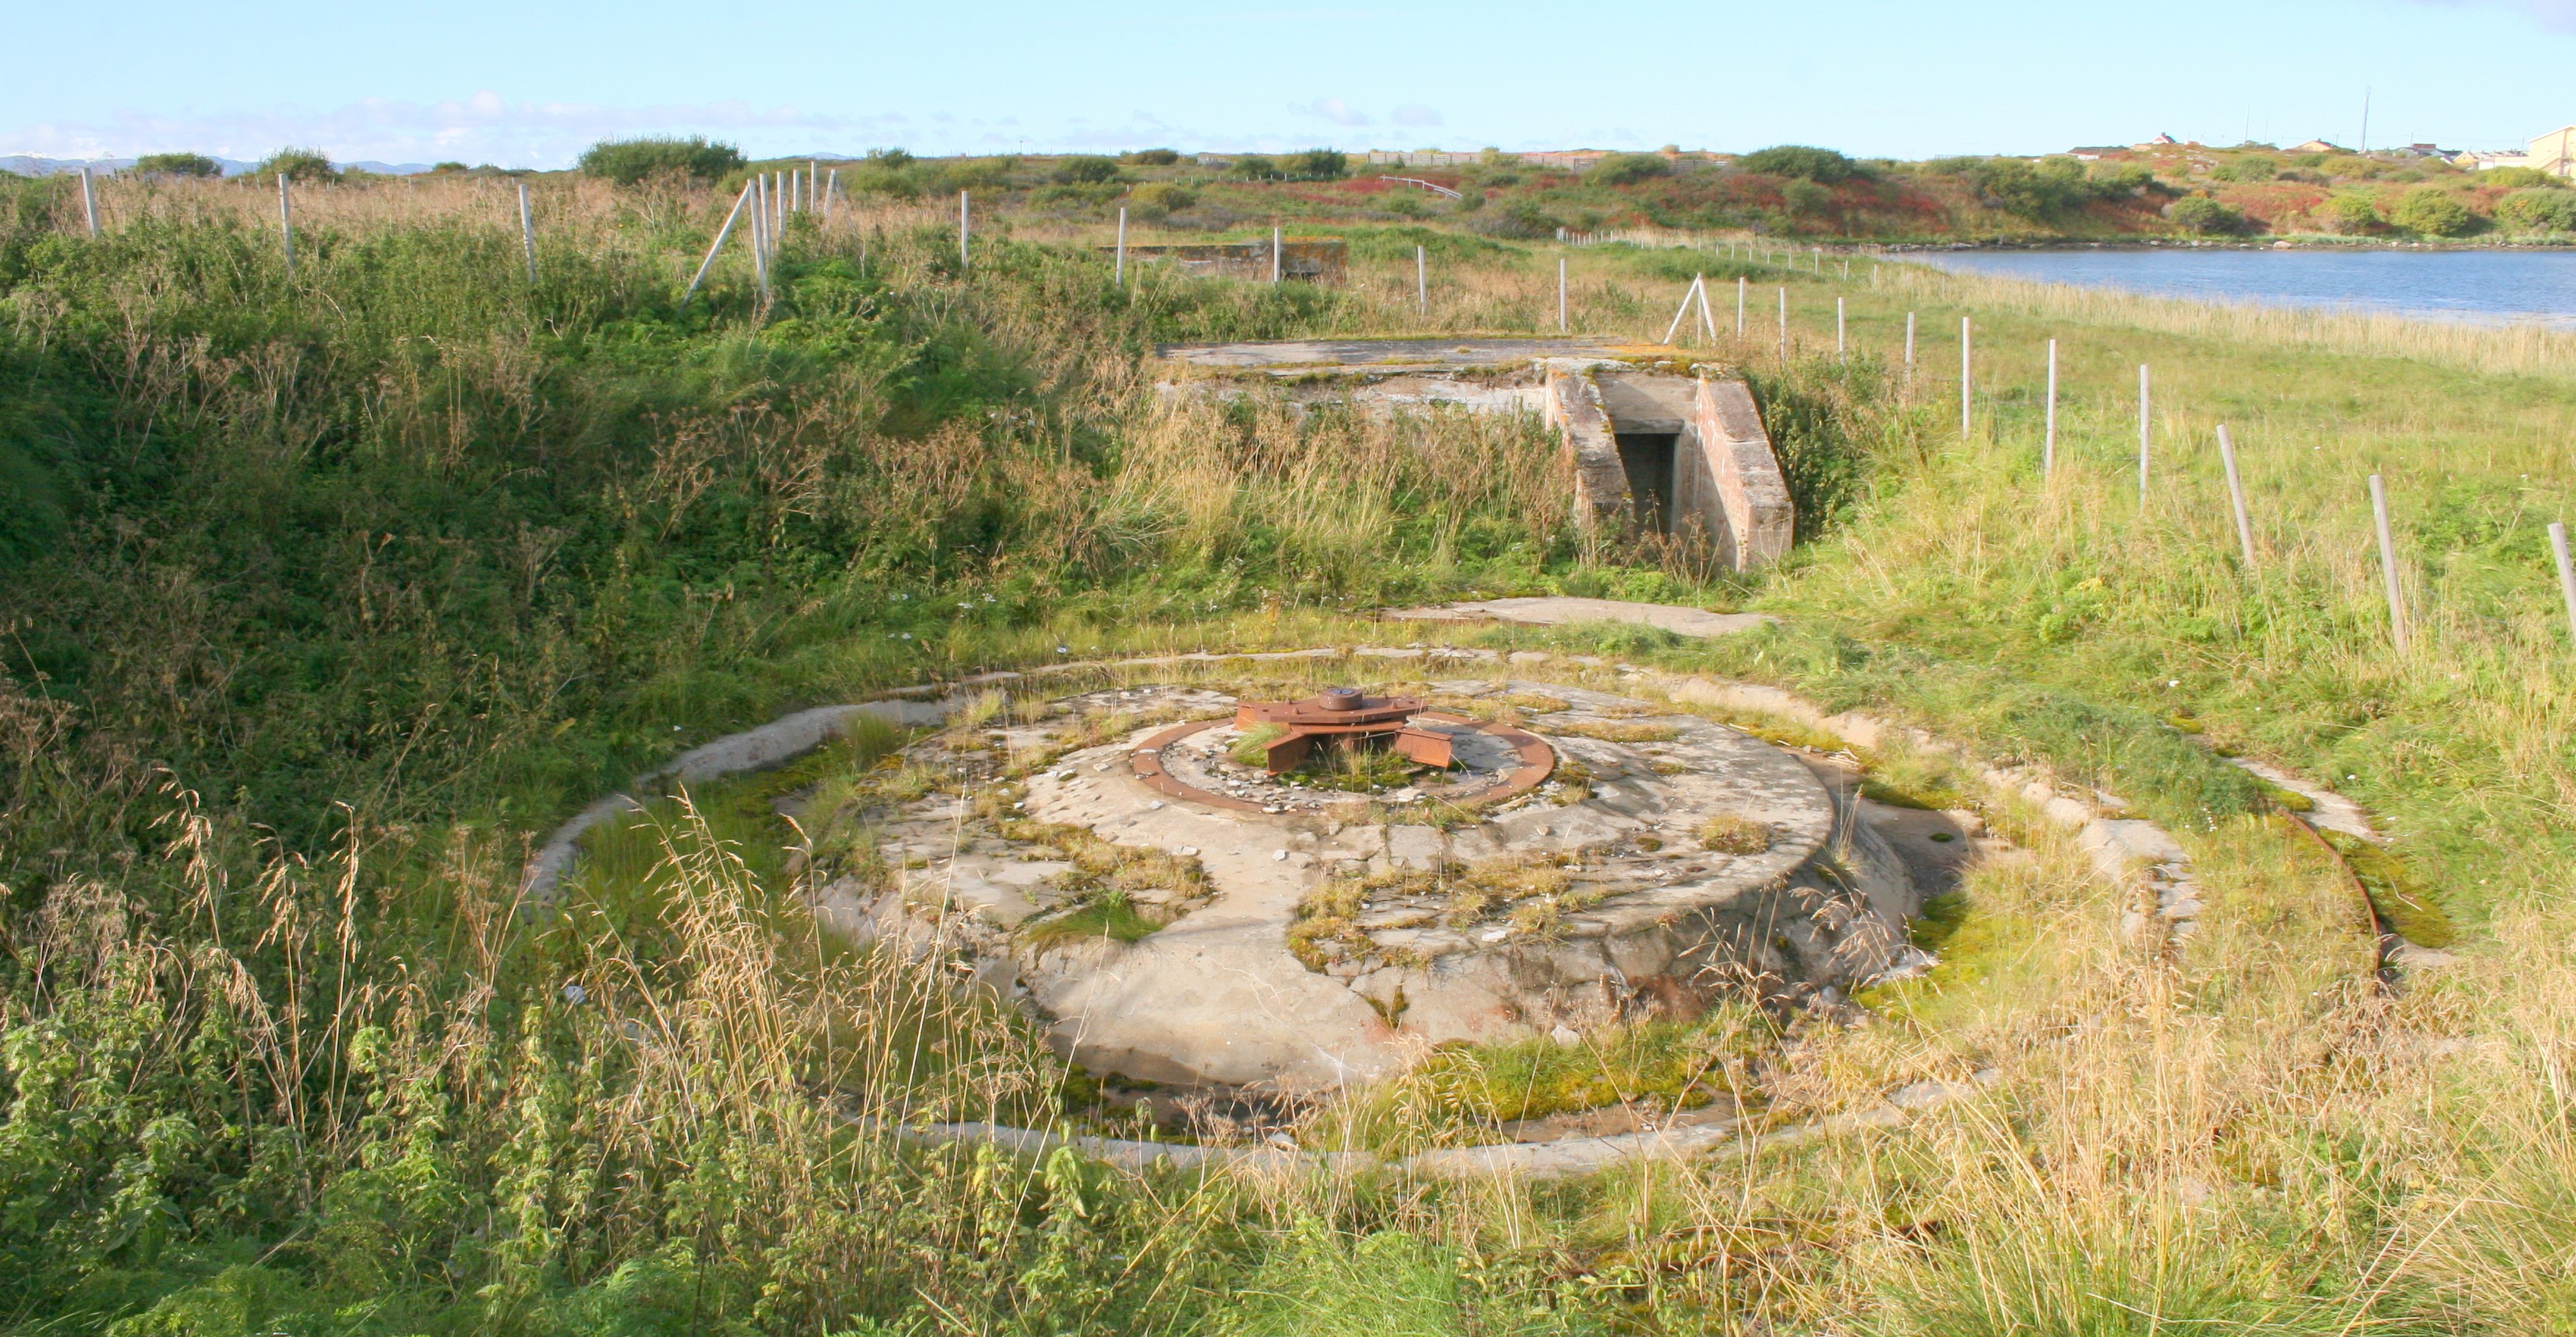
(1345, 717)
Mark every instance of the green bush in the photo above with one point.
(1151, 157)
(1318, 165)
(1627, 169)
(1805, 198)
(2251, 167)
(627, 161)
(298, 165)
(1801, 160)
(2350, 215)
(1160, 199)
(2431, 211)
(177, 164)
(2539, 210)
(1254, 167)
(2207, 217)
(2518, 177)
(1086, 169)
(2045, 190)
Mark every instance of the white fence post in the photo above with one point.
(1118, 275)
(2566, 572)
(528, 234)
(963, 258)
(2388, 563)
(2048, 441)
(1740, 282)
(1277, 247)
(1909, 341)
(721, 233)
(1967, 387)
(89, 202)
(286, 224)
(2236, 496)
(1422, 281)
(1839, 345)
(2144, 425)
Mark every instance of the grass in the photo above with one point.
(296, 664)
(1729, 834)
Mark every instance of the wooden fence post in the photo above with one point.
(89, 202)
(1839, 345)
(1740, 282)
(964, 257)
(1909, 341)
(1422, 281)
(1682, 312)
(2388, 563)
(2236, 496)
(1118, 276)
(1277, 246)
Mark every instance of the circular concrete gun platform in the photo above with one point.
(1324, 924)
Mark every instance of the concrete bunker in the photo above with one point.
(1656, 445)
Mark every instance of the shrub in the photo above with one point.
(1627, 169)
(1160, 199)
(2251, 167)
(2540, 210)
(893, 160)
(2518, 177)
(2207, 217)
(627, 161)
(1086, 169)
(1800, 160)
(1254, 167)
(2431, 211)
(298, 165)
(1805, 198)
(2043, 190)
(177, 164)
(1151, 157)
(450, 167)
(2350, 215)
(1318, 165)
(1520, 220)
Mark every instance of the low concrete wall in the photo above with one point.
(1744, 476)
(1600, 485)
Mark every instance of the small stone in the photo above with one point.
(1153, 805)
(1566, 1036)
(1068, 775)
(1495, 934)
(1279, 856)
(1187, 851)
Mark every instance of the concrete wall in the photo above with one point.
(1600, 485)
(1743, 476)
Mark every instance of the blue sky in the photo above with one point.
(530, 83)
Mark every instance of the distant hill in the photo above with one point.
(27, 164)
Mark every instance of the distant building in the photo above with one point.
(2482, 162)
(2318, 146)
(2554, 153)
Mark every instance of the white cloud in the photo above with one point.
(1332, 109)
(1414, 113)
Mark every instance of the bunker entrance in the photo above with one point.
(1647, 459)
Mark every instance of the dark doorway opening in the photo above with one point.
(1647, 459)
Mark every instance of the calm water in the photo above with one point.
(2484, 286)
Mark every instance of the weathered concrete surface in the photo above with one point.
(1217, 997)
(1559, 611)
